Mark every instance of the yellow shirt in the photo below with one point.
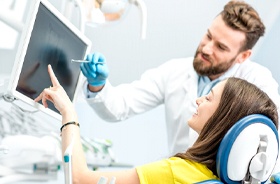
(174, 170)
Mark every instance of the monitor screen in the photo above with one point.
(50, 39)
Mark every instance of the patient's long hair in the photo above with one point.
(239, 99)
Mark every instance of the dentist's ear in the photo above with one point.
(242, 56)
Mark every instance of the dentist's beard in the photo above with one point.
(210, 69)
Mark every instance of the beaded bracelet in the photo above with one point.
(69, 123)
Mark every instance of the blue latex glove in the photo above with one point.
(96, 71)
(275, 178)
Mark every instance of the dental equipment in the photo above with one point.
(29, 158)
(25, 79)
(96, 13)
(84, 61)
(67, 158)
(248, 152)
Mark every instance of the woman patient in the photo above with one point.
(229, 101)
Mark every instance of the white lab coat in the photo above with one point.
(173, 84)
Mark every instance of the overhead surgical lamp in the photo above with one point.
(100, 12)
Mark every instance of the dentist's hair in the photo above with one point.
(240, 16)
(239, 99)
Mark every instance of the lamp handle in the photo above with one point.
(143, 10)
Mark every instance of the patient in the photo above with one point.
(228, 101)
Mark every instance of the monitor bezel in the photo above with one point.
(12, 93)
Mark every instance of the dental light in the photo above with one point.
(102, 12)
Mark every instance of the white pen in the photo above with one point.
(85, 61)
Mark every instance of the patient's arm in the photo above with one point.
(80, 171)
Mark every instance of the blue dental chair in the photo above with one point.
(248, 152)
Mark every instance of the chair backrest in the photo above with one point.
(249, 151)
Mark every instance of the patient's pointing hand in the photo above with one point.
(57, 95)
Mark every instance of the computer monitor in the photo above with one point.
(48, 38)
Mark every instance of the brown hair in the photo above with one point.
(239, 99)
(242, 17)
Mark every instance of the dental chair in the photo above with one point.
(248, 152)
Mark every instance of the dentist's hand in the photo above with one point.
(275, 178)
(96, 71)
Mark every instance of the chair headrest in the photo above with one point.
(251, 145)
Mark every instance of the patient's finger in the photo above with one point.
(42, 97)
(54, 80)
(45, 96)
(44, 100)
(38, 98)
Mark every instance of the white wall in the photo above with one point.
(174, 30)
